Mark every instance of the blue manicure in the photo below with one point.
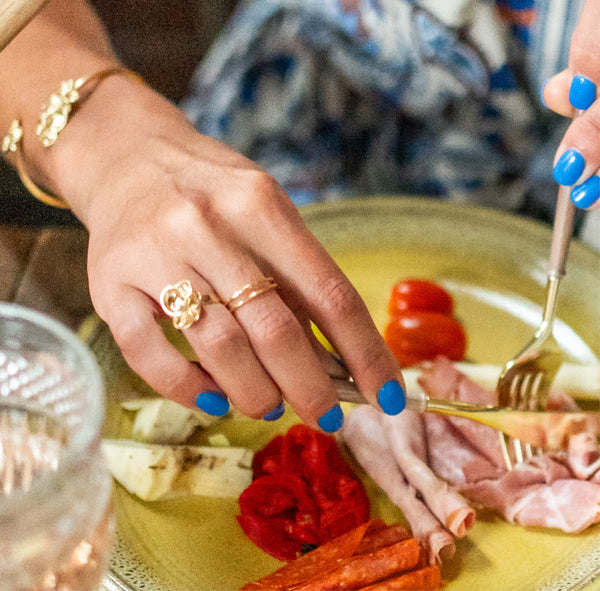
(582, 92)
(542, 100)
(212, 403)
(392, 398)
(276, 413)
(587, 193)
(332, 420)
(569, 168)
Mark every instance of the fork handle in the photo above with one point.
(562, 231)
(561, 234)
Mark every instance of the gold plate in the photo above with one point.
(494, 266)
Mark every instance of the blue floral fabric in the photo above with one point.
(355, 97)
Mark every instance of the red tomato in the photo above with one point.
(421, 335)
(419, 294)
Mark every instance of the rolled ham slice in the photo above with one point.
(406, 437)
(363, 433)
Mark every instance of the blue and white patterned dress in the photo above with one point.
(356, 97)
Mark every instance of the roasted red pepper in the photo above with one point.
(303, 493)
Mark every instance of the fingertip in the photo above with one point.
(275, 414)
(582, 92)
(554, 93)
(392, 398)
(332, 420)
(212, 403)
(587, 193)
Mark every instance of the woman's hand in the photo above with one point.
(578, 156)
(164, 204)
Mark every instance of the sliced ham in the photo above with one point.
(406, 437)
(584, 456)
(363, 433)
(547, 491)
(428, 464)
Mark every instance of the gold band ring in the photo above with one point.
(183, 304)
(249, 292)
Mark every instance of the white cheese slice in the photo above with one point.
(155, 471)
(159, 420)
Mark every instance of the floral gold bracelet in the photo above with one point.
(57, 109)
(10, 143)
(53, 119)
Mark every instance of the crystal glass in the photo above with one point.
(56, 525)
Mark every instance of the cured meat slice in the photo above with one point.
(405, 433)
(584, 456)
(364, 435)
(359, 571)
(318, 561)
(547, 491)
(428, 578)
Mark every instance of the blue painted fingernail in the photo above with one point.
(542, 100)
(212, 403)
(587, 193)
(569, 168)
(392, 398)
(582, 92)
(276, 413)
(332, 420)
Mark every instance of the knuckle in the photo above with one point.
(173, 219)
(129, 333)
(274, 324)
(222, 336)
(258, 189)
(590, 125)
(583, 44)
(260, 183)
(338, 297)
(375, 359)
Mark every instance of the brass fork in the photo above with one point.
(525, 380)
(524, 385)
(546, 430)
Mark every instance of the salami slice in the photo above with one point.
(364, 569)
(428, 578)
(317, 562)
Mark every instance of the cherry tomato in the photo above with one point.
(419, 294)
(417, 336)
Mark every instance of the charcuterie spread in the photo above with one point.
(435, 468)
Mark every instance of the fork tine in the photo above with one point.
(504, 448)
(525, 388)
(518, 449)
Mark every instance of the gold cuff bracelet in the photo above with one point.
(53, 119)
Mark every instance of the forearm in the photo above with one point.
(64, 40)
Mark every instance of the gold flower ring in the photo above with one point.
(183, 304)
(249, 292)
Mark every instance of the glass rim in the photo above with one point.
(91, 421)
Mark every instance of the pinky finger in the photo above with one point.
(157, 361)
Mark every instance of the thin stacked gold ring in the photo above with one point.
(249, 292)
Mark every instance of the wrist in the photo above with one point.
(28, 137)
(106, 141)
